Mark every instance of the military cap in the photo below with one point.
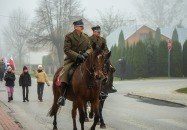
(96, 28)
(78, 23)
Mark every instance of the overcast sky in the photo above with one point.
(91, 7)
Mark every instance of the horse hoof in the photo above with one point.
(55, 128)
(98, 123)
(86, 119)
(102, 126)
(90, 115)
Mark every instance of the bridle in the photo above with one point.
(91, 69)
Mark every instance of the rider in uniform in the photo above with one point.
(96, 38)
(75, 42)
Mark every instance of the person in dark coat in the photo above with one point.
(10, 78)
(25, 82)
(2, 69)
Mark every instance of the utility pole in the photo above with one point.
(169, 57)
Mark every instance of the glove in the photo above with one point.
(80, 58)
(85, 54)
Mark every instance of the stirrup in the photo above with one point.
(103, 96)
(61, 101)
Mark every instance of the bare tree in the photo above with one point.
(160, 13)
(15, 34)
(52, 23)
(110, 20)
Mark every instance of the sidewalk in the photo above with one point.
(6, 122)
(160, 93)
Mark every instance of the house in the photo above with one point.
(134, 34)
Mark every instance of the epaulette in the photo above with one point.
(69, 33)
(86, 35)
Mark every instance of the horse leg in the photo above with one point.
(85, 110)
(102, 125)
(74, 113)
(91, 113)
(95, 108)
(55, 123)
(81, 114)
(53, 111)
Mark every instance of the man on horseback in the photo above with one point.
(96, 38)
(75, 42)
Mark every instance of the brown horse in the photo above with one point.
(105, 90)
(85, 86)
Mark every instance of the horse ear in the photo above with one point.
(108, 55)
(94, 46)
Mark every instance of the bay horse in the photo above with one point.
(105, 88)
(85, 86)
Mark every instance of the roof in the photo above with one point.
(129, 31)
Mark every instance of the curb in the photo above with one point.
(162, 100)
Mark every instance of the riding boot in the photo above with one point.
(62, 99)
(112, 89)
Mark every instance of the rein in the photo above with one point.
(89, 71)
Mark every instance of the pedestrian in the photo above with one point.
(10, 78)
(41, 80)
(25, 82)
(2, 69)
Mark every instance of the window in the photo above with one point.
(143, 36)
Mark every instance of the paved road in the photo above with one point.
(120, 112)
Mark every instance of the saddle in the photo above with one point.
(70, 74)
(71, 71)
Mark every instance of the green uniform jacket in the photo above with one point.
(100, 41)
(72, 45)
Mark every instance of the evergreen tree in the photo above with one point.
(121, 40)
(151, 55)
(115, 53)
(176, 59)
(112, 54)
(158, 36)
(129, 70)
(140, 60)
(162, 59)
(185, 58)
(175, 35)
(126, 50)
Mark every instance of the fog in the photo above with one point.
(131, 11)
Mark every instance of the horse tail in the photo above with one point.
(56, 92)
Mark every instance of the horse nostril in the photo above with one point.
(98, 77)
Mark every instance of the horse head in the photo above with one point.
(107, 73)
(98, 58)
